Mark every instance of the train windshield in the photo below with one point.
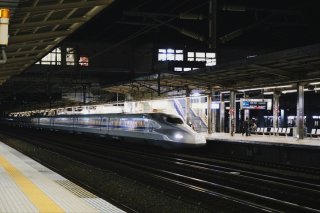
(174, 120)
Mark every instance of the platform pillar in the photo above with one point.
(232, 113)
(276, 109)
(209, 109)
(214, 114)
(300, 111)
(222, 111)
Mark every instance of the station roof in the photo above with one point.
(139, 27)
(36, 27)
(284, 67)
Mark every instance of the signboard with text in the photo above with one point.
(258, 104)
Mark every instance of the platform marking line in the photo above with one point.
(34, 194)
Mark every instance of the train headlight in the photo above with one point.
(178, 136)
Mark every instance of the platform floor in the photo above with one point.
(27, 187)
(289, 140)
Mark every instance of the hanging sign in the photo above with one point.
(258, 104)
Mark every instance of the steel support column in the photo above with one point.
(276, 109)
(214, 115)
(222, 111)
(209, 109)
(213, 24)
(300, 111)
(232, 113)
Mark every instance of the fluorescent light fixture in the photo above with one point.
(251, 89)
(283, 86)
(314, 83)
(261, 88)
(292, 91)
(252, 56)
(289, 91)
(267, 93)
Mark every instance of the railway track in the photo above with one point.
(214, 186)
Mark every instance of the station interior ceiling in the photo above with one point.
(279, 42)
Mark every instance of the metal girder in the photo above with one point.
(181, 30)
(47, 23)
(27, 52)
(28, 45)
(82, 4)
(38, 36)
(186, 16)
(20, 59)
(272, 71)
(9, 72)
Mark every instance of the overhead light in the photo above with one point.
(267, 93)
(263, 88)
(274, 87)
(251, 89)
(314, 83)
(292, 91)
(289, 91)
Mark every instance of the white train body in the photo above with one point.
(160, 129)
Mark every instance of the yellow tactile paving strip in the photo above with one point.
(34, 194)
(13, 199)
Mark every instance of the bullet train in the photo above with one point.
(160, 129)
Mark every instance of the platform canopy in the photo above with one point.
(37, 26)
(275, 69)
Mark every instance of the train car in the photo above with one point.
(160, 129)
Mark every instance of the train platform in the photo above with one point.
(263, 139)
(26, 186)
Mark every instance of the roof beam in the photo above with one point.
(27, 52)
(16, 46)
(38, 36)
(20, 59)
(44, 8)
(272, 71)
(47, 23)
(7, 74)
